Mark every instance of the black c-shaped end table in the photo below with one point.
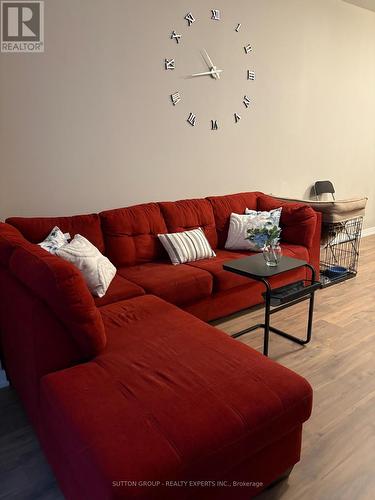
(255, 267)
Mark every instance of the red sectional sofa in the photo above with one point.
(134, 386)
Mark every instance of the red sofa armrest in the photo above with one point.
(314, 250)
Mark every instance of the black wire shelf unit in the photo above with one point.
(339, 252)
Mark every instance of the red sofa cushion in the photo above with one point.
(131, 234)
(298, 221)
(223, 206)
(184, 215)
(223, 280)
(179, 285)
(59, 284)
(119, 289)
(235, 299)
(169, 398)
(36, 229)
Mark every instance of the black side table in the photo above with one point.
(254, 267)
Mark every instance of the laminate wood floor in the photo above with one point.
(338, 455)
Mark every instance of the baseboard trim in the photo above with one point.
(368, 232)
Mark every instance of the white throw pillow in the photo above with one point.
(97, 270)
(187, 246)
(55, 240)
(240, 223)
(237, 233)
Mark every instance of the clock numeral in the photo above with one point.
(169, 64)
(175, 36)
(176, 98)
(238, 27)
(251, 75)
(215, 15)
(237, 118)
(248, 49)
(190, 18)
(246, 101)
(192, 119)
(214, 125)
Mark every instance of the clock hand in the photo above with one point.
(213, 67)
(205, 60)
(212, 72)
(208, 57)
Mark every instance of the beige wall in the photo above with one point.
(88, 124)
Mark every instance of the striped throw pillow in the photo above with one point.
(187, 246)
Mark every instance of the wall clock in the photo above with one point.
(214, 69)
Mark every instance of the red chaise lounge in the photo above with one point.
(134, 387)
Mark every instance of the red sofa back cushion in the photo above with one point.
(59, 284)
(184, 215)
(223, 206)
(130, 234)
(298, 221)
(36, 229)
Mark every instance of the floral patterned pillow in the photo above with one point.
(273, 215)
(55, 240)
(262, 220)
